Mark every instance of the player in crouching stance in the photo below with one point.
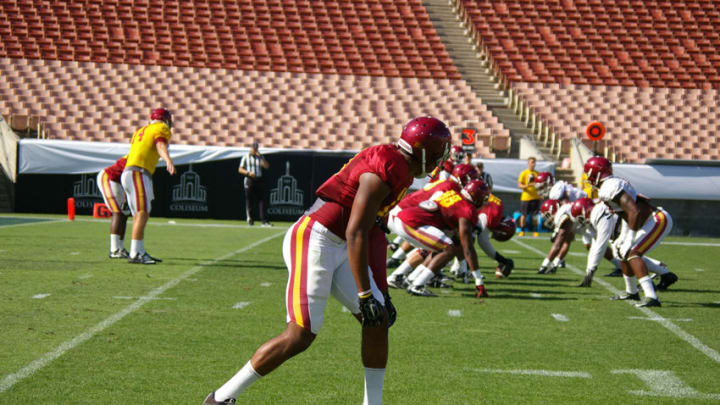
(644, 227)
(108, 181)
(601, 223)
(437, 225)
(331, 248)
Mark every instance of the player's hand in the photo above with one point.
(392, 312)
(553, 236)
(371, 311)
(170, 168)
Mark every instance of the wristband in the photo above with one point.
(365, 294)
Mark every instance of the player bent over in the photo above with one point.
(148, 145)
(443, 224)
(329, 251)
(108, 181)
(644, 227)
(490, 219)
(601, 223)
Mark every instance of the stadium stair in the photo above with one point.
(473, 65)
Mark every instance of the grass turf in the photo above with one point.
(180, 336)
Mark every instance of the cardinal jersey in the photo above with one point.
(386, 161)
(115, 171)
(427, 192)
(563, 189)
(611, 187)
(142, 147)
(442, 211)
(491, 214)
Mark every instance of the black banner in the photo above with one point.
(205, 190)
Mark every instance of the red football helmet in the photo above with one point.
(544, 181)
(597, 168)
(581, 208)
(457, 153)
(477, 192)
(162, 114)
(427, 139)
(448, 165)
(549, 208)
(464, 173)
(505, 230)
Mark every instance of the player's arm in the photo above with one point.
(521, 183)
(263, 162)
(162, 150)
(370, 194)
(631, 209)
(465, 231)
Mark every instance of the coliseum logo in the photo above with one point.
(189, 195)
(86, 192)
(286, 199)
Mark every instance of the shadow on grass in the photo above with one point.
(677, 304)
(494, 296)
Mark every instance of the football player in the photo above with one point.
(108, 181)
(333, 246)
(557, 215)
(443, 224)
(602, 223)
(565, 192)
(644, 227)
(490, 219)
(148, 145)
(461, 175)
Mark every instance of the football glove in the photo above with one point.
(392, 312)
(553, 236)
(505, 266)
(371, 311)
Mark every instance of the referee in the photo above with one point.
(251, 166)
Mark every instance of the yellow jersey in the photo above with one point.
(588, 188)
(527, 177)
(142, 146)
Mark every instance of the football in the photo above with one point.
(503, 270)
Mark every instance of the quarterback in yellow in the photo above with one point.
(148, 145)
(529, 199)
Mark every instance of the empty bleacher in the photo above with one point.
(649, 70)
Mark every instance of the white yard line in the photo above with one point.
(40, 296)
(692, 340)
(560, 317)
(691, 243)
(12, 379)
(241, 305)
(545, 373)
(42, 222)
(455, 313)
(642, 318)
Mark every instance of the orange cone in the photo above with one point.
(71, 208)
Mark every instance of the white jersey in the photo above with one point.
(611, 187)
(562, 215)
(443, 175)
(600, 226)
(563, 189)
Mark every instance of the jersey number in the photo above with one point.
(140, 136)
(448, 198)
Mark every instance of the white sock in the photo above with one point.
(655, 266)
(556, 262)
(455, 265)
(122, 243)
(402, 270)
(398, 240)
(630, 284)
(479, 278)
(374, 378)
(616, 262)
(114, 242)
(137, 247)
(415, 274)
(424, 276)
(648, 287)
(399, 254)
(238, 383)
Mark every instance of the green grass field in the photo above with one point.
(79, 328)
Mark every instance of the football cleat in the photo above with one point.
(392, 246)
(562, 263)
(648, 302)
(119, 254)
(481, 291)
(144, 259)
(420, 291)
(266, 225)
(210, 400)
(393, 262)
(587, 281)
(542, 270)
(666, 280)
(464, 277)
(615, 273)
(626, 296)
(396, 282)
(439, 282)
